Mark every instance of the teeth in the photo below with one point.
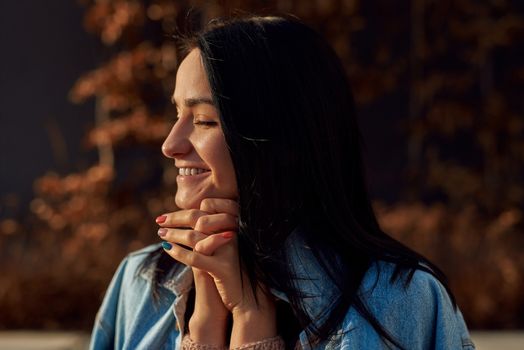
(190, 171)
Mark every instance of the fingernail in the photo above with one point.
(162, 231)
(166, 246)
(227, 234)
(161, 219)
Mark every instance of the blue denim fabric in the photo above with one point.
(420, 316)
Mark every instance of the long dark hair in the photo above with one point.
(288, 116)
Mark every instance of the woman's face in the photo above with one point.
(196, 142)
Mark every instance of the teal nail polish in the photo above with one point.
(166, 246)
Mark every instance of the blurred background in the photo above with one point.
(85, 90)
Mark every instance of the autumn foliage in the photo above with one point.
(456, 66)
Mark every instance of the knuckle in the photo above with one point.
(199, 246)
(192, 259)
(228, 221)
(206, 204)
(201, 223)
(194, 214)
(193, 237)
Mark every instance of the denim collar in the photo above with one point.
(179, 281)
(317, 289)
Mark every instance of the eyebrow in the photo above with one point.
(193, 101)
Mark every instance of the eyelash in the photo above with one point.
(205, 123)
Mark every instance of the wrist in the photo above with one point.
(204, 314)
(265, 309)
(252, 325)
(249, 317)
(207, 330)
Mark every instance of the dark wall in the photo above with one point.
(44, 49)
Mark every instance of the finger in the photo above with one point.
(180, 236)
(219, 205)
(210, 244)
(189, 257)
(182, 218)
(216, 223)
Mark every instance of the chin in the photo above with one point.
(186, 204)
(188, 201)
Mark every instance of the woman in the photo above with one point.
(276, 243)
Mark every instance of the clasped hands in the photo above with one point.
(210, 232)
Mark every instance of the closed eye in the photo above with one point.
(205, 123)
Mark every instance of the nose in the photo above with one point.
(176, 143)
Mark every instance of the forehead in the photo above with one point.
(191, 78)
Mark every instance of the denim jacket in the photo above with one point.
(420, 316)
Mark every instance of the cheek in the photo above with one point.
(213, 151)
(222, 160)
(222, 163)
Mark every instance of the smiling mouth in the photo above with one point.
(191, 171)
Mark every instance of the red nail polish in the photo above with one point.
(227, 235)
(161, 219)
(162, 231)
